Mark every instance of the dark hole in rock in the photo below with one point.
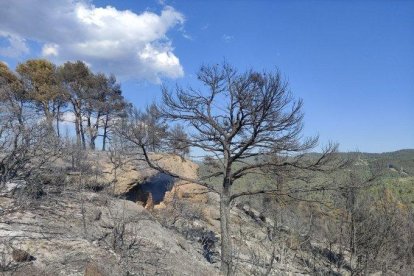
(157, 185)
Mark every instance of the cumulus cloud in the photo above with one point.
(50, 49)
(129, 44)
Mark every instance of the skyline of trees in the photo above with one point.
(56, 93)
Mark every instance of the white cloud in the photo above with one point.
(50, 49)
(68, 117)
(157, 58)
(129, 44)
(17, 45)
(227, 38)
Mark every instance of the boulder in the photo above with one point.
(21, 256)
(12, 187)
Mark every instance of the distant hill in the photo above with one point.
(401, 161)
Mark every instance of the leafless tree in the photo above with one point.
(247, 123)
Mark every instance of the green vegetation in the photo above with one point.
(356, 208)
(400, 182)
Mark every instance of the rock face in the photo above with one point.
(137, 184)
(182, 189)
(93, 269)
(122, 174)
(131, 173)
(67, 237)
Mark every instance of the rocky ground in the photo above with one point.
(68, 233)
(79, 232)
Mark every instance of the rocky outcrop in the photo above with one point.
(130, 173)
(68, 233)
(182, 189)
(122, 174)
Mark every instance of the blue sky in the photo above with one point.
(351, 61)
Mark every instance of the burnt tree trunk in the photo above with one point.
(226, 243)
(105, 132)
(77, 128)
(57, 121)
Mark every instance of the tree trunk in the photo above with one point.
(353, 239)
(226, 243)
(49, 118)
(105, 133)
(78, 122)
(93, 130)
(82, 132)
(90, 131)
(77, 128)
(92, 143)
(57, 121)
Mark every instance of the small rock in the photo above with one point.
(197, 224)
(160, 206)
(20, 256)
(92, 269)
(12, 187)
(150, 202)
(97, 215)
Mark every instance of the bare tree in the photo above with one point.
(247, 123)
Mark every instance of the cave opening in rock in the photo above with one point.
(156, 185)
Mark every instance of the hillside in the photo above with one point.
(397, 172)
(76, 231)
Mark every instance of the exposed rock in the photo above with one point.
(97, 215)
(93, 269)
(12, 187)
(28, 269)
(94, 234)
(133, 173)
(123, 178)
(125, 238)
(150, 203)
(20, 256)
(176, 164)
(184, 168)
